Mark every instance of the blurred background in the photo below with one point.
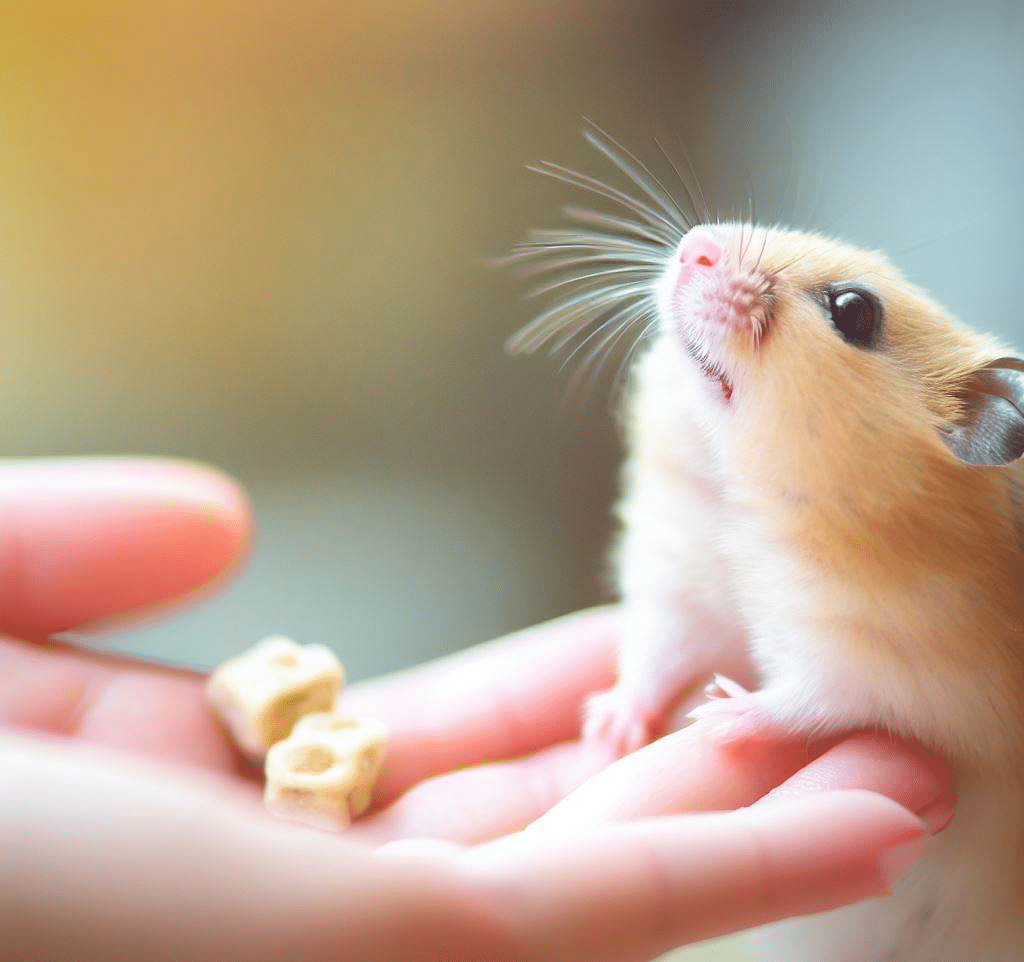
(257, 234)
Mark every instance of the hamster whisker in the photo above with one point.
(704, 208)
(639, 173)
(757, 332)
(764, 244)
(745, 243)
(620, 225)
(556, 262)
(650, 272)
(597, 358)
(752, 222)
(619, 381)
(621, 319)
(603, 267)
(546, 240)
(586, 307)
(544, 328)
(694, 206)
(601, 315)
(781, 268)
(581, 336)
(575, 179)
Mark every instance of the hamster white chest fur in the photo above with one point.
(823, 467)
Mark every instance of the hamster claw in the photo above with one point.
(742, 715)
(722, 687)
(617, 719)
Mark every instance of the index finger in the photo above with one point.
(692, 771)
(84, 541)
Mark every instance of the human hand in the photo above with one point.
(139, 854)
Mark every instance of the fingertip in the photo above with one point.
(207, 487)
(207, 493)
(852, 830)
(89, 541)
(192, 530)
(218, 509)
(870, 841)
(848, 808)
(905, 772)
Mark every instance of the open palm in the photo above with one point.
(484, 745)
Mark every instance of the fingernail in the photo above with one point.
(896, 861)
(937, 815)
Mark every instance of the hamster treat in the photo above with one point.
(277, 700)
(323, 773)
(263, 692)
(823, 469)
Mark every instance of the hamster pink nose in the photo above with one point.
(699, 250)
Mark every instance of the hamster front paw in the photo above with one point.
(619, 719)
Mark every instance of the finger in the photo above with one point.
(632, 892)
(691, 771)
(685, 771)
(484, 802)
(501, 700)
(903, 771)
(83, 542)
(56, 690)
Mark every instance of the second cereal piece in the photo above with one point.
(324, 773)
(263, 692)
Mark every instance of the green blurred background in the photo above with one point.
(257, 234)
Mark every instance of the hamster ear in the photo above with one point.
(991, 432)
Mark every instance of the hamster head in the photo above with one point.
(811, 350)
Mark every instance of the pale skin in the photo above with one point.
(130, 828)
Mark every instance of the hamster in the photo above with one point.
(823, 466)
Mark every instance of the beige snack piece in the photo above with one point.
(324, 773)
(263, 692)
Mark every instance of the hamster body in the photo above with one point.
(823, 470)
(798, 482)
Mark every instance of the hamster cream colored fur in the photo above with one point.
(822, 467)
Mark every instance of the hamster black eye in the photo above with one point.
(855, 314)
